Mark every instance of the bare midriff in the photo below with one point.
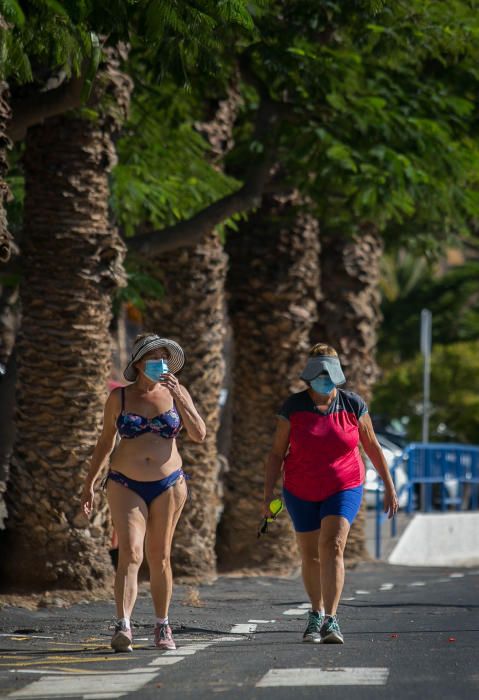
(148, 457)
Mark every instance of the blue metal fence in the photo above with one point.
(439, 476)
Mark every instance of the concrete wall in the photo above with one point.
(439, 539)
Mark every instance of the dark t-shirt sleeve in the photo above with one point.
(286, 409)
(360, 407)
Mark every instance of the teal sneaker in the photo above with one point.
(330, 632)
(312, 631)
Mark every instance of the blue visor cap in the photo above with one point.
(323, 363)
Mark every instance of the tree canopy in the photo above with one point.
(378, 104)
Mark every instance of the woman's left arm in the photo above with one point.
(373, 450)
(193, 422)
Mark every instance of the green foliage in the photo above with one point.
(453, 299)
(44, 36)
(163, 173)
(454, 393)
(142, 285)
(41, 36)
(383, 121)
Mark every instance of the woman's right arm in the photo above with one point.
(274, 462)
(103, 449)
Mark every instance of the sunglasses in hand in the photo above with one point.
(276, 506)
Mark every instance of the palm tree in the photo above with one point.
(6, 241)
(348, 319)
(273, 286)
(72, 264)
(193, 313)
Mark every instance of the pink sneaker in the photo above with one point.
(122, 638)
(163, 637)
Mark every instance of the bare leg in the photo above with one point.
(165, 511)
(332, 541)
(308, 543)
(129, 513)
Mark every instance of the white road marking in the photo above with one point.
(187, 650)
(323, 676)
(362, 592)
(417, 583)
(42, 672)
(305, 605)
(102, 685)
(198, 646)
(262, 622)
(228, 639)
(457, 574)
(442, 580)
(166, 660)
(386, 586)
(88, 686)
(350, 598)
(295, 611)
(243, 629)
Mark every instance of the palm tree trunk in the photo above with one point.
(273, 285)
(7, 245)
(193, 313)
(348, 319)
(349, 312)
(72, 260)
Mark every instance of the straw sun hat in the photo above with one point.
(151, 342)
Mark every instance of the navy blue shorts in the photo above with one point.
(307, 515)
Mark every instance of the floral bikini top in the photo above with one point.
(130, 425)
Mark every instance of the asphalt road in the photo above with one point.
(409, 633)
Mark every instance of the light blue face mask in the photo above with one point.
(155, 368)
(322, 385)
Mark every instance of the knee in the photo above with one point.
(333, 546)
(131, 556)
(159, 559)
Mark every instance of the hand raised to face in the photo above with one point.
(171, 382)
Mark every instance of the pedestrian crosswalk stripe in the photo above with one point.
(86, 686)
(323, 676)
(243, 629)
(166, 660)
(262, 622)
(295, 611)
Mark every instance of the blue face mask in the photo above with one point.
(155, 368)
(322, 385)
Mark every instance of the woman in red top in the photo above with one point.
(316, 444)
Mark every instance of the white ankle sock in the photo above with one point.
(125, 621)
(162, 620)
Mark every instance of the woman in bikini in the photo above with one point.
(145, 484)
